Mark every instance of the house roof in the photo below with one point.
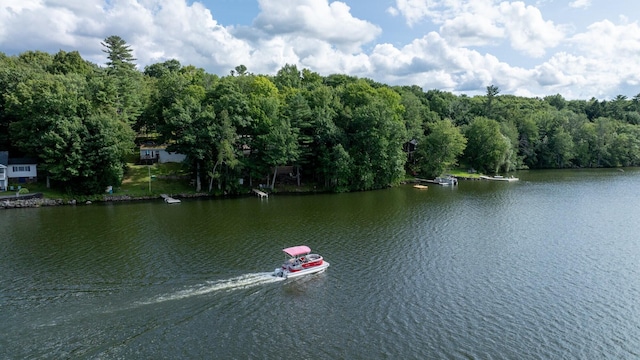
(21, 161)
(152, 147)
(4, 157)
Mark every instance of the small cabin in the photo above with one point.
(23, 170)
(151, 153)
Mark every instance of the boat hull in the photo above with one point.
(285, 273)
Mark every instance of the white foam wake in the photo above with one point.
(239, 282)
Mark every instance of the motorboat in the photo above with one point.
(446, 181)
(499, 178)
(300, 261)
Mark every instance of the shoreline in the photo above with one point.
(37, 200)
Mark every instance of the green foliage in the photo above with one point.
(340, 132)
(57, 115)
(488, 150)
(119, 54)
(440, 149)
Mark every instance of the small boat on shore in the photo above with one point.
(421, 187)
(300, 261)
(499, 178)
(169, 200)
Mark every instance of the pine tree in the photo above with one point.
(118, 53)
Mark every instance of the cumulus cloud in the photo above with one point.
(484, 22)
(582, 4)
(528, 32)
(454, 53)
(318, 19)
(471, 30)
(431, 62)
(157, 30)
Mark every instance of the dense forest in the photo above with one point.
(343, 133)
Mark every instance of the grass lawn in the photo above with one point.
(463, 174)
(135, 183)
(48, 193)
(145, 180)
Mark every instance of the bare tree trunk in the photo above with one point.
(198, 183)
(275, 172)
(298, 174)
(213, 173)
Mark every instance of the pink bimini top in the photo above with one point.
(297, 250)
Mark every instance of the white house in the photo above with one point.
(4, 179)
(16, 170)
(158, 153)
(4, 172)
(22, 170)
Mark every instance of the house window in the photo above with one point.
(21, 168)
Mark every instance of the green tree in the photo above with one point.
(158, 70)
(297, 112)
(375, 130)
(487, 148)
(223, 149)
(528, 137)
(440, 148)
(187, 125)
(119, 54)
(70, 63)
(492, 93)
(288, 77)
(79, 147)
(556, 101)
(36, 60)
(323, 150)
(556, 148)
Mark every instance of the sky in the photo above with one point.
(577, 48)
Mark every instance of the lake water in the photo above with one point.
(547, 267)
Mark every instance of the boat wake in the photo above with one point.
(239, 282)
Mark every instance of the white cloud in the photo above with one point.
(317, 19)
(414, 10)
(471, 30)
(462, 50)
(528, 32)
(484, 22)
(392, 11)
(581, 4)
(608, 55)
(157, 30)
(431, 62)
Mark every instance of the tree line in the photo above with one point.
(340, 132)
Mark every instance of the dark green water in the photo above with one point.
(547, 267)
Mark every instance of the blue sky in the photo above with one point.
(577, 48)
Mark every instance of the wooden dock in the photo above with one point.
(443, 181)
(260, 193)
